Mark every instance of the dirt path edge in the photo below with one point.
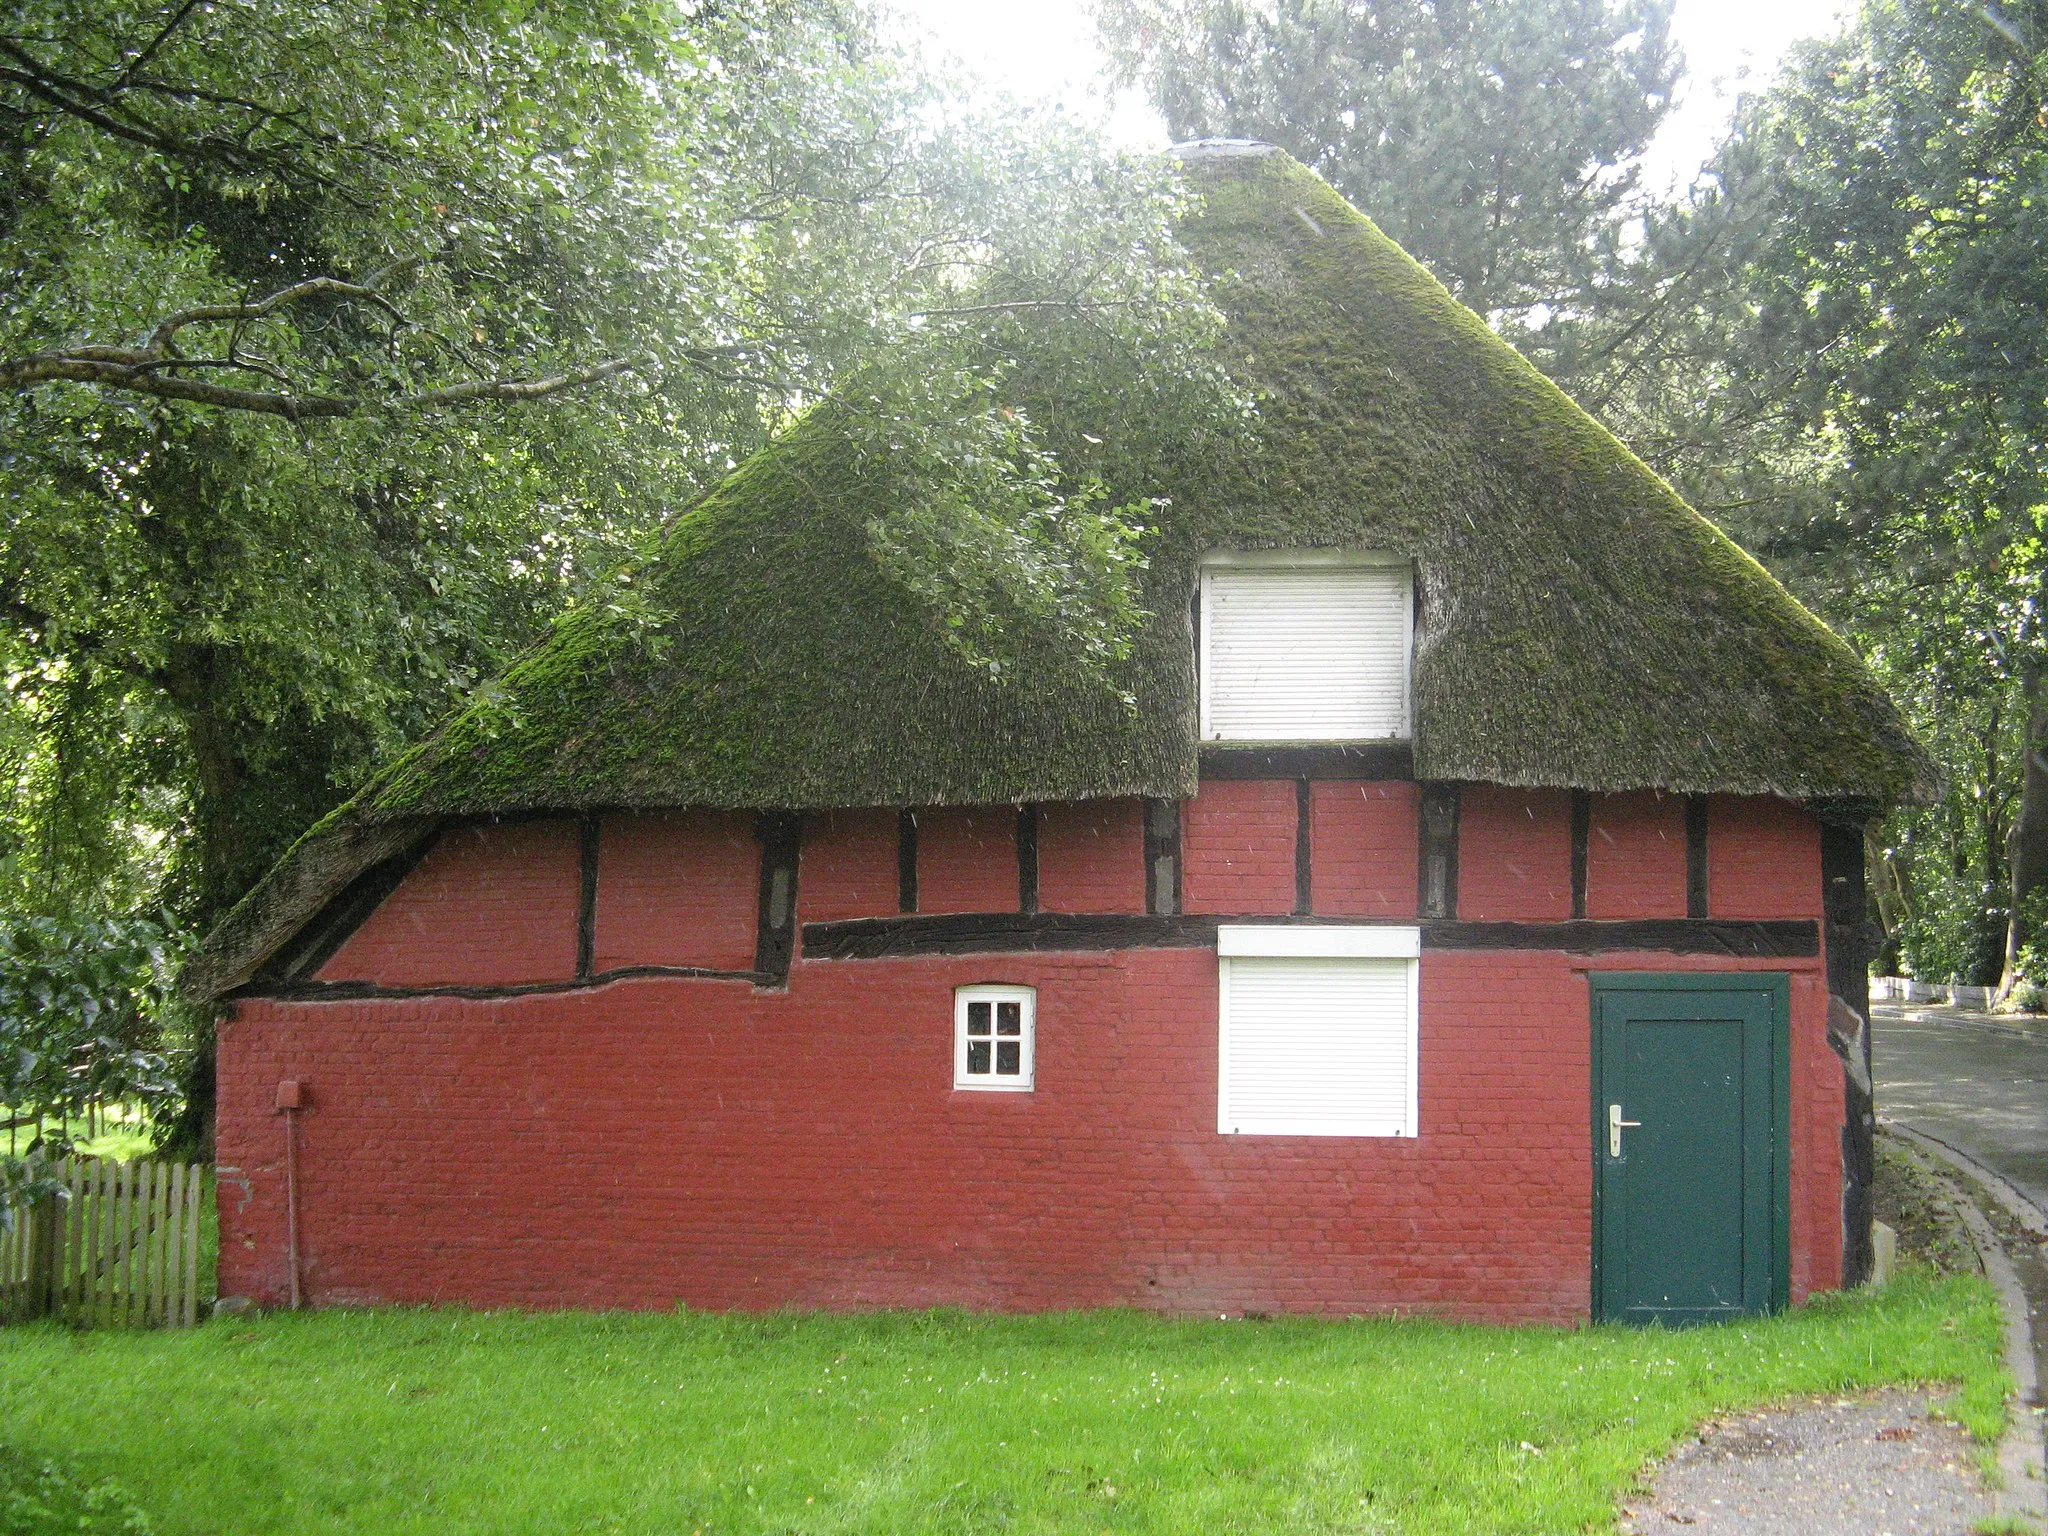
(2022, 1455)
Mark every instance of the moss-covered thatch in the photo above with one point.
(1582, 626)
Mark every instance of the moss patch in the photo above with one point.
(1581, 626)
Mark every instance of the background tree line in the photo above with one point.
(1834, 343)
(343, 348)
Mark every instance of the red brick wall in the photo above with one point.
(1763, 857)
(1514, 854)
(848, 866)
(1091, 857)
(677, 890)
(967, 859)
(664, 1140)
(1237, 847)
(1362, 849)
(1635, 857)
(488, 906)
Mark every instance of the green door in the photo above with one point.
(1690, 1113)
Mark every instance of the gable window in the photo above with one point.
(1317, 1030)
(994, 1030)
(1305, 645)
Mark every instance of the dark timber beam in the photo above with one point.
(775, 931)
(1304, 852)
(1582, 837)
(1695, 855)
(1027, 858)
(336, 923)
(1162, 857)
(1849, 952)
(355, 991)
(906, 861)
(1437, 836)
(966, 933)
(586, 902)
(1375, 760)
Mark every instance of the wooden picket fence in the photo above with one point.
(120, 1249)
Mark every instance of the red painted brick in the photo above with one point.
(749, 1162)
(678, 889)
(488, 906)
(1763, 857)
(1362, 847)
(849, 866)
(1635, 856)
(806, 1148)
(967, 859)
(1091, 857)
(1514, 854)
(1237, 847)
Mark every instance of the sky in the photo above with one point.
(1046, 50)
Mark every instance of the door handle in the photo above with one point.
(1615, 1126)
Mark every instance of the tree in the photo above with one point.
(343, 345)
(1495, 141)
(1885, 206)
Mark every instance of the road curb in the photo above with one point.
(1908, 1015)
(2022, 1455)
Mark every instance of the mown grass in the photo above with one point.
(452, 1421)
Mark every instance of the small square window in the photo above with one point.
(994, 1029)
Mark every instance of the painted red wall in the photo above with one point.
(848, 866)
(1763, 857)
(1514, 854)
(677, 890)
(1237, 847)
(1091, 857)
(662, 1140)
(1362, 849)
(966, 859)
(1635, 857)
(488, 906)
(667, 1139)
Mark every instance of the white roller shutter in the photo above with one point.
(1314, 652)
(1317, 1046)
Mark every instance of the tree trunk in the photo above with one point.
(1845, 901)
(190, 681)
(2029, 841)
(1888, 890)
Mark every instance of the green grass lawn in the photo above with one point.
(452, 1421)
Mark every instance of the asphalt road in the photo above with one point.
(1981, 1091)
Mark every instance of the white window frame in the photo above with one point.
(987, 1082)
(1307, 559)
(1316, 941)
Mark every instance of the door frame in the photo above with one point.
(1777, 987)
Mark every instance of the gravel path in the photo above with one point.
(1876, 1465)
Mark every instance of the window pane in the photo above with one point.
(977, 1018)
(1009, 1018)
(1007, 1057)
(977, 1056)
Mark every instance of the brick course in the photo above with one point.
(1237, 847)
(1635, 856)
(677, 890)
(489, 906)
(1514, 854)
(664, 1139)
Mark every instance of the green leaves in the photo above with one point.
(758, 206)
(1495, 141)
(90, 1013)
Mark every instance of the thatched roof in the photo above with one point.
(1582, 627)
